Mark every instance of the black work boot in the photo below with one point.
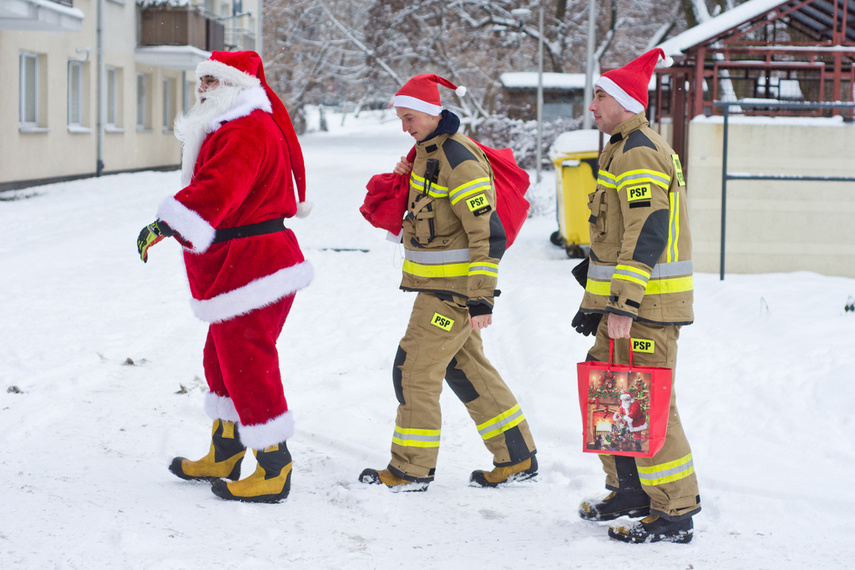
(223, 459)
(631, 504)
(270, 483)
(655, 529)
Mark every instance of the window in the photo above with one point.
(168, 112)
(189, 95)
(75, 94)
(142, 116)
(28, 112)
(112, 103)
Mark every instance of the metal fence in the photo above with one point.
(726, 176)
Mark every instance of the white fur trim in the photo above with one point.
(264, 435)
(188, 223)
(417, 104)
(220, 408)
(226, 74)
(254, 295)
(304, 209)
(619, 94)
(247, 102)
(461, 91)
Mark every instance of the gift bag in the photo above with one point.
(624, 407)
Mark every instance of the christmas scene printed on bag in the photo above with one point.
(617, 411)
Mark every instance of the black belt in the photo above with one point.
(261, 228)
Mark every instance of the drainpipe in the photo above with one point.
(99, 43)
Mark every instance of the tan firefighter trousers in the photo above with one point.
(440, 343)
(668, 477)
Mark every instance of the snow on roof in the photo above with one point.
(721, 23)
(528, 80)
(571, 142)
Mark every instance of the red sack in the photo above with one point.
(624, 407)
(386, 202)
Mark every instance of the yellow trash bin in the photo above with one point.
(574, 155)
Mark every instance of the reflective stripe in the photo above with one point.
(660, 270)
(471, 187)
(633, 274)
(418, 184)
(413, 437)
(673, 227)
(606, 179)
(675, 277)
(501, 423)
(643, 175)
(665, 286)
(484, 268)
(666, 472)
(444, 270)
(437, 257)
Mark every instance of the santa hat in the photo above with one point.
(628, 84)
(244, 69)
(422, 94)
(626, 396)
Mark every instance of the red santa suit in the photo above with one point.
(631, 413)
(243, 287)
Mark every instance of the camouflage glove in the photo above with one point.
(586, 323)
(150, 235)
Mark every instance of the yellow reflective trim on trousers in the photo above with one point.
(415, 437)
(484, 268)
(666, 472)
(471, 187)
(444, 270)
(501, 423)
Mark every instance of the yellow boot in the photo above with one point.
(505, 474)
(393, 481)
(270, 483)
(223, 459)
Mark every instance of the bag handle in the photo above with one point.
(612, 350)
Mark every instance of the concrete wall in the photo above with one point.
(773, 226)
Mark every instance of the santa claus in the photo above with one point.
(631, 414)
(242, 175)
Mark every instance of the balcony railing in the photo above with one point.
(179, 26)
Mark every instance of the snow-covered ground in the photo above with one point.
(102, 384)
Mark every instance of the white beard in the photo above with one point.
(192, 129)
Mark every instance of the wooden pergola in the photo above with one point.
(775, 50)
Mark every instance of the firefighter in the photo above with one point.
(639, 277)
(453, 241)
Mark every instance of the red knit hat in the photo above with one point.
(629, 84)
(422, 94)
(244, 69)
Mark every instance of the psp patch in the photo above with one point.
(643, 345)
(442, 322)
(637, 193)
(478, 205)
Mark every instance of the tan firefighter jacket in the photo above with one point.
(641, 248)
(453, 238)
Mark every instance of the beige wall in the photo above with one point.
(54, 150)
(773, 226)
